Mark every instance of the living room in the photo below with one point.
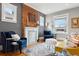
(37, 29)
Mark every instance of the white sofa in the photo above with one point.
(65, 43)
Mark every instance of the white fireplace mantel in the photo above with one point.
(31, 33)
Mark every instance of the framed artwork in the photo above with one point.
(9, 13)
(75, 22)
(31, 17)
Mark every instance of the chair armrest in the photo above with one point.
(23, 39)
(9, 38)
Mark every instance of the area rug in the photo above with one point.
(38, 50)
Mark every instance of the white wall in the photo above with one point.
(74, 12)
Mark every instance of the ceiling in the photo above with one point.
(48, 8)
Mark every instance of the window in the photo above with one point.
(41, 21)
(61, 24)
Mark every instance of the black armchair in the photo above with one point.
(48, 34)
(7, 40)
(22, 41)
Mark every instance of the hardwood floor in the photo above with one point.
(18, 53)
(12, 54)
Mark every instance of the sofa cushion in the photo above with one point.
(74, 38)
(62, 44)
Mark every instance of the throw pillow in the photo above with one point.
(15, 37)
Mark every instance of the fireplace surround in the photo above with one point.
(31, 33)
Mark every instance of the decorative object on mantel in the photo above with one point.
(75, 22)
(9, 13)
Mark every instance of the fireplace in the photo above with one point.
(31, 33)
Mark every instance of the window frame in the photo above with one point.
(58, 17)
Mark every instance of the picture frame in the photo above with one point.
(75, 22)
(31, 17)
(9, 13)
